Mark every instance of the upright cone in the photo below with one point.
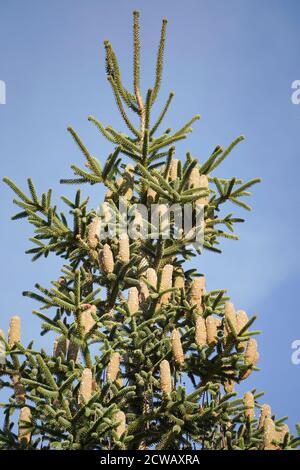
(113, 367)
(121, 419)
(106, 259)
(14, 332)
(124, 252)
(177, 347)
(200, 332)
(86, 386)
(24, 420)
(249, 405)
(166, 283)
(93, 232)
(165, 377)
(133, 300)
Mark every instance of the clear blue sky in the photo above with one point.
(231, 61)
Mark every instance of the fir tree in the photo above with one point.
(132, 324)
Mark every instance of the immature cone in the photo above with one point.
(93, 232)
(211, 330)
(166, 283)
(194, 178)
(143, 291)
(14, 332)
(249, 405)
(241, 321)
(265, 412)
(25, 417)
(173, 170)
(165, 377)
(200, 332)
(59, 347)
(203, 183)
(269, 434)
(179, 279)
(133, 300)
(2, 349)
(18, 388)
(121, 419)
(197, 290)
(251, 352)
(177, 347)
(284, 429)
(86, 318)
(230, 316)
(124, 252)
(113, 367)
(106, 259)
(151, 277)
(86, 386)
(129, 177)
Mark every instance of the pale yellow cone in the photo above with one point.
(197, 290)
(200, 332)
(93, 232)
(18, 388)
(284, 429)
(86, 318)
(177, 347)
(121, 419)
(113, 367)
(151, 277)
(241, 321)
(106, 259)
(86, 386)
(194, 178)
(143, 291)
(265, 412)
(165, 377)
(211, 330)
(124, 251)
(179, 279)
(14, 332)
(249, 405)
(133, 300)
(173, 170)
(166, 283)
(269, 434)
(251, 356)
(230, 315)
(25, 417)
(203, 183)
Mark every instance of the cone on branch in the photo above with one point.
(179, 281)
(230, 318)
(93, 232)
(24, 421)
(133, 300)
(177, 347)
(113, 368)
(86, 386)
(87, 320)
(106, 259)
(249, 405)
(241, 322)
(166, 283)
(165, 377)
(197, 291)
(173, 170)
(265, 412)
(200, 332)
(151, 277)
(269, 434)
(14, 332)
(124, 251)
(120, 418)
(211, 330)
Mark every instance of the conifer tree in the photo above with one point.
(144, 356)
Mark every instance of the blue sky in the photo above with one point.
(233, 62)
